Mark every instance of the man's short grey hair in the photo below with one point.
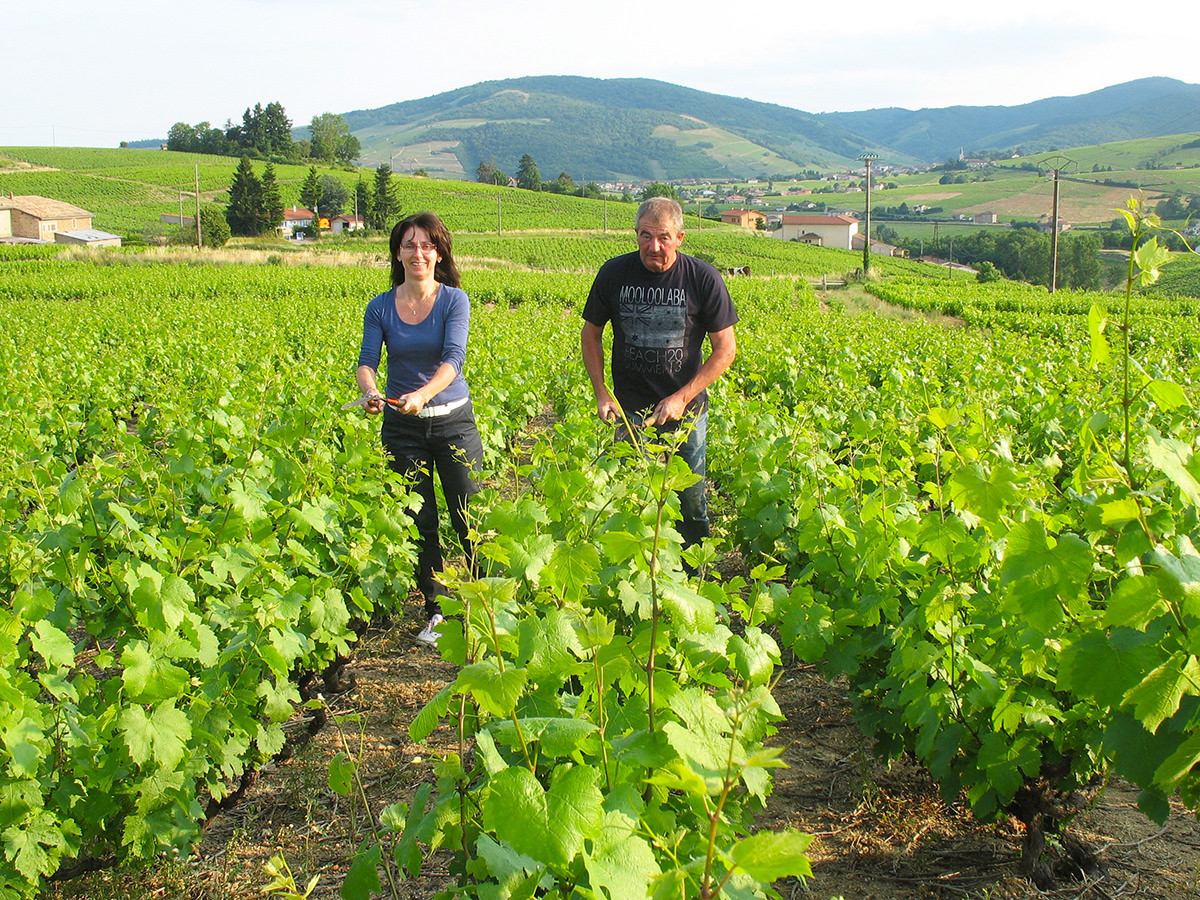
(661, 209)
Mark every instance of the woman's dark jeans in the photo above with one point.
(449, 445)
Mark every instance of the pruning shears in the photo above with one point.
(364, 400)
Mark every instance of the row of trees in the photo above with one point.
(266, 133)
(528, 178)
(256, 206)
(1020, 253)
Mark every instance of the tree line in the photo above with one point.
(266, 133)
(528, 178)
(255, 207)
(1021, 254)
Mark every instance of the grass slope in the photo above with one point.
(127, 191)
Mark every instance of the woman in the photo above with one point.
(428, 422)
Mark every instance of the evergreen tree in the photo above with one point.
(527, 174)
(278, 130)
(563, 184)
(310, 190)
(254, 132)
(384, 204)
(214, 227)
(489, 173)
(271, 207)
(244, 212)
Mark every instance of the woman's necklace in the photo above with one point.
(417, 306)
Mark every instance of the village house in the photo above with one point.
(747, 218)
(30, 218)
(343, 223)
(296, 219)
(1046, 224)
(877, 247)
(833, 231)
(986, 218)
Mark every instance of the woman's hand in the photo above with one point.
(412, 403)
(374, 402)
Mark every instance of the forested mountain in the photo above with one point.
(638, 129)
(594, 129)
(1149, 107)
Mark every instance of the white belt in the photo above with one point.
(442, 409)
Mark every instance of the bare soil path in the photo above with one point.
(882, 832)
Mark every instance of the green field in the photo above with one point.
(967, 509)
(975, 526)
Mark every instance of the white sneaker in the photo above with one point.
(427, 635)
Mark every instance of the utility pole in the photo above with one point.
(199, 243)
(868, 157)
(1057, 164)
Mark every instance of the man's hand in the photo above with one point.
(608, 411)
(668, 409)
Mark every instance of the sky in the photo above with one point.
(82, 73)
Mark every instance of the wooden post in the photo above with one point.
(199, 243)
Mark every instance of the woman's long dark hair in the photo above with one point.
(446, 272)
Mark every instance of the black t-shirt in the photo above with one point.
(659, 323)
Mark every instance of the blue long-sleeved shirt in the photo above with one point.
(414, 352)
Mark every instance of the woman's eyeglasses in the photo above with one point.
(424, 247)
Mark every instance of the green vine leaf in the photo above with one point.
(549, 826)
(770, 855)
(1156, 698)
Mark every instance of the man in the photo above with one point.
(661, 304)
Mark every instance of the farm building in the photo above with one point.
(40, 218)
(747, 218)
(346, 223)
(88, 237)
(834, 231)
(986, 218)
(877, 247)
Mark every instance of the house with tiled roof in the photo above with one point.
(834, 231)
(296, 219)
(37, 218)
(747, 218)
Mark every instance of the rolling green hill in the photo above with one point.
(600, 129)
(636, 129)
(127, 191)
